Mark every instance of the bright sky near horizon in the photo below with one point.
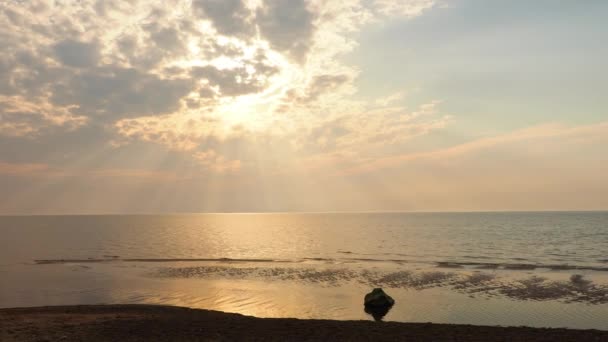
(116, 106)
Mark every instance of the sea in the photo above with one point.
(541, 269)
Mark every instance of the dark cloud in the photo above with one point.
(13, 16)
(288, 25)
(206, 93)
(34, 79)
(168, 38)
(127, 46)
(214, 49)
(157, 44)
(110, 93)
(234, 82)
(77, 54)
(230, 17)
(231, 82)
(6, 68)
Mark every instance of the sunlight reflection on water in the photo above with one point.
(291, 297)
(323, 264)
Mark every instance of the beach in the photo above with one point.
(307, 170)
(164, 323)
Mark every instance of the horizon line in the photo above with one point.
(309, 212)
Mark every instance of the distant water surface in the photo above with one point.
(538, 269)
(563, 238)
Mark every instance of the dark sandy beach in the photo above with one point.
(162, 323)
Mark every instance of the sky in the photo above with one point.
(116, 106)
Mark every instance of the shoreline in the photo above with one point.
(136, 322)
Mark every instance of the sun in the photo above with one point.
(258, 111)
(254, 111)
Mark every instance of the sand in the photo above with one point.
(163, 323)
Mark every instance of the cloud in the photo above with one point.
(77, 54)
(380, 126)
(403, 8)
(390, 99)
(108, 93)
(229, 17)
(321, 85)
(183, 73)
(180, 132)
(288, 25)
(542, 140)
(21, 117)
(233, 82)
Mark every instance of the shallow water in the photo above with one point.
(536, 269)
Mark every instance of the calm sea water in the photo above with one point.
(542, 269)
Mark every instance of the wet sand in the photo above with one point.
(163, 323)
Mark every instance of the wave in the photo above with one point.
(441, 264)
(515, 266)
(116, 259)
